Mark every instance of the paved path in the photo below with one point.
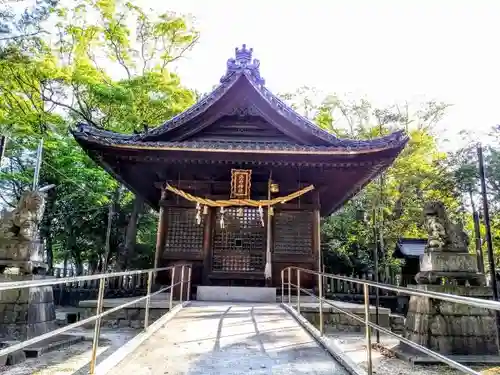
(230, 339)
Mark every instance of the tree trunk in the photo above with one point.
(65, 271)
(131, 233)
(50, 254)
(112, 205)
(77, 259)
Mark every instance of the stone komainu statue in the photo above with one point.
(20, 244)
(443, 235)
(23, 222)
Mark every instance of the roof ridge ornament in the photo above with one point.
(242, 63)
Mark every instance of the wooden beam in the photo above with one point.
(183, 203)
(181, 255)
(197, 184)
(279, 207)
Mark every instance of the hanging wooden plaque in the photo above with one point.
(241, 181)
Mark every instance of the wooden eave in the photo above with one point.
(243, 152)
(116, 157)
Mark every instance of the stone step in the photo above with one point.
(236, 294)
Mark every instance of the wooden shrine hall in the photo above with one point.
(240, 179)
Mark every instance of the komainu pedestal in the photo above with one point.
(447, 267)
(26, 313)
(452, 328)
(29, 312)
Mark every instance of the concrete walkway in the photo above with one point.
(223, 338)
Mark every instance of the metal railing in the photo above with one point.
(476, 302)
(99, 313)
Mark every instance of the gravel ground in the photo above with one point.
(385, 363)
(75, 359)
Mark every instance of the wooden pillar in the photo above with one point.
(161, 234)
(317, 230)
(269, 245)
(209, 220)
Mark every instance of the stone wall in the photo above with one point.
(397, 323)
(26, 313)
(338, 322)
(452, 328)
(128, 317)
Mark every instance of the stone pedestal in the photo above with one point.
(22, 254)
(28, 312)
(436, 267)
(452, 328)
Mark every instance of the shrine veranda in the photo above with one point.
(240, 179)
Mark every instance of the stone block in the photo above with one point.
(476, 291)
(338, 322)
(236, 294)
(14, 358)
(19, 250)
(41, 312)
(448, 262)
(28, 312)
(452, 328)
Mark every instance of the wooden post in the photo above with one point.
(207, 243)
(317, 229)
(161, 233)
(269, 246)
(268, 271)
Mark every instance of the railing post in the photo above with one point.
(97, 327)
(148, 300)
(188, 296)
(283, 286)
(298, 291)
(289, 286)
(172, 289)
(182, 284)
(368, 329)
(320, 295)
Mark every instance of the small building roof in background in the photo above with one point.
(410, 247)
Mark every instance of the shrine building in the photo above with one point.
(240, 179)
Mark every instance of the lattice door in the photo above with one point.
(241, 245)
(184, 235)
(293, 232)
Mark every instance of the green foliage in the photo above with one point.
(393, 202)
(47, 87)
(464, 165)
(106, 62)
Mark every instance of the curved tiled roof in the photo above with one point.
(233, 145)
(242, 66)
